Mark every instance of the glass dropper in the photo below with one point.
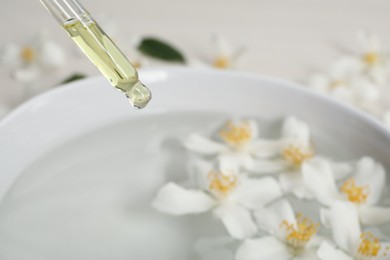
(100, 49)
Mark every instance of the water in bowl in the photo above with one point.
(89, 199)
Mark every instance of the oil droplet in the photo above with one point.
(139, 95)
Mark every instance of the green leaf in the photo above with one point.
(74, 77)
(159, 49)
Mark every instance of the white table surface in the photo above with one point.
(288, 39)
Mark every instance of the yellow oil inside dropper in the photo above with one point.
(100, 49)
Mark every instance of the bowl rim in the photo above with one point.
(148, 72)
(14, 121)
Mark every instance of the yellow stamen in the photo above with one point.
(297, 236)
(369, 246)
(371, 58)
(236, 135)
(222, 62)
(222, 185)
(296, 154)
(28, 54)
(136, 64)
(355, 194)
(336, 84)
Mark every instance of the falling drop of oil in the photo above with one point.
(139, 95)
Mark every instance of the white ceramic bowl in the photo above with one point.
(99, 123)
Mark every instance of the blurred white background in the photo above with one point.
(288, 39)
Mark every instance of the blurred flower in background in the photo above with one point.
(225, 55)
(29, 62)
(359, 78)
(372, 60)
(344, 83)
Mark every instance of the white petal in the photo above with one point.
(368, 41)
(222, 46)
(27, 74)
(39, 39)
(345, 67)
(261, 148)
(307, 254)
(270, 218)
(197, 63)
(378, 75)
(270, 166)
(296, 130)
(319, 82)
(237, 220)
(371, 215)
(175, 200)
(372, 174)
(202, 145)
(325, 217)
(10, 55)
(340, 170)
(51, 55)
(315, 242)
(199, 170)
(344, 221)
(247, 162)
(329, 252)
(319, 180)
(256, 193)
(238, 56)
(266, 248)
(292, 182)
(365, 90)
(234, 161)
